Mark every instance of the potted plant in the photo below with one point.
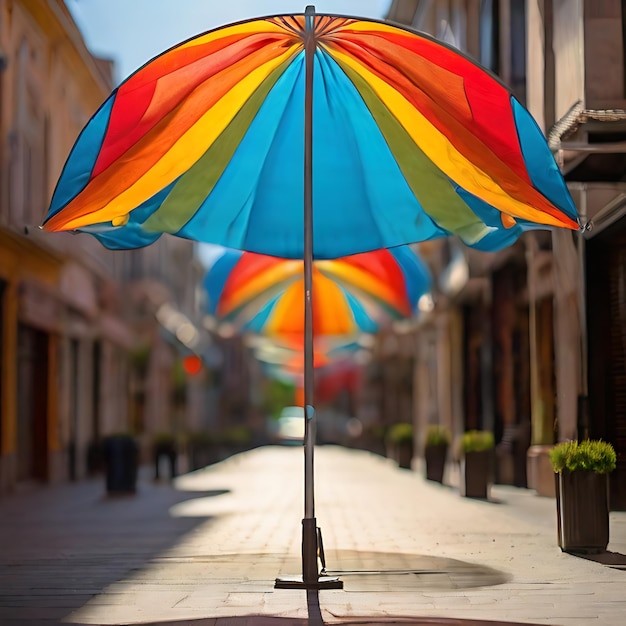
(582, 494)
(399, 440)
(436, 451)
(121, 458)
(476, 463)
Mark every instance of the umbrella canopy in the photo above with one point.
(354, 294)
(411, 141)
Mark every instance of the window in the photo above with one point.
(28, 143)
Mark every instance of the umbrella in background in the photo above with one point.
(354, 294)
(259, 134)
(338, 365)
(264, 295)
(286, 354)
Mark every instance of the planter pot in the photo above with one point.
(582, 502)
(121, 460)
(401, 453)
(405, 455)
(435, 457)
(476, 474)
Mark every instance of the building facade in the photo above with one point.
(73, 315)
(530, 342)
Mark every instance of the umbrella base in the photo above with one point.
(297, 582)
(312, 549)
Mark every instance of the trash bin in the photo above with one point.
(121, 460)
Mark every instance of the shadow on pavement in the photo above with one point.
(360, 571)
(616, 560)
(61, 545)
(376, 574)
(384, 571)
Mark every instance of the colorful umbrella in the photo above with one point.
(232, 137)
(411, 141)
(354, 294)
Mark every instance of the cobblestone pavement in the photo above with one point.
(205, 550)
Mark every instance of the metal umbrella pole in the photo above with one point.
(311, 578)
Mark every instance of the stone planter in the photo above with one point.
(435, 457)
(401, 453)
(582, 502)
(476, 474)
(405, 454)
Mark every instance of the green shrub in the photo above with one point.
(592, 456)
(477, 441)
(437, 435)
(400, 433)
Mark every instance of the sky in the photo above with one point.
(132, 32)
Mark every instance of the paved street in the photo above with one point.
(206, 550)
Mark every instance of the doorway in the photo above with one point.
(32, 404)
(606, 322)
